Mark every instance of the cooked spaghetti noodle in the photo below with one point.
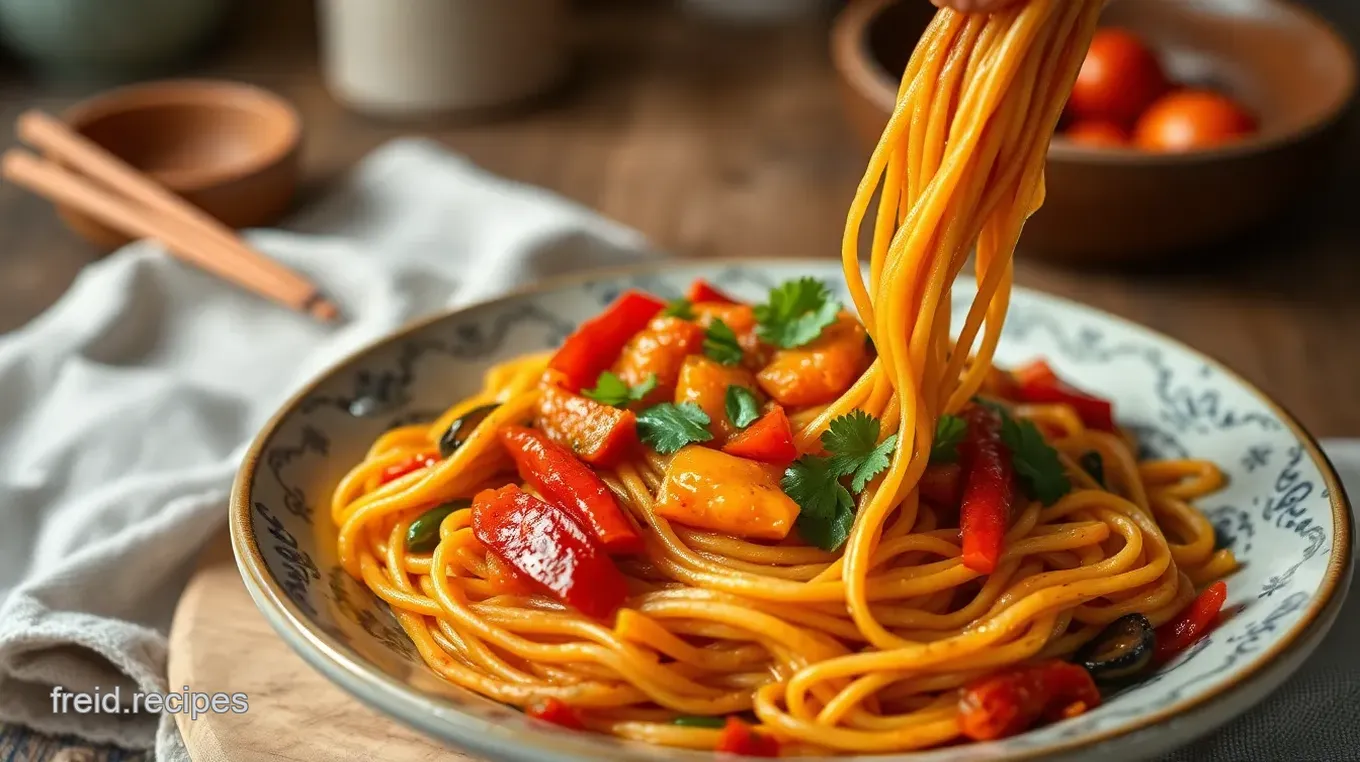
(861, 649)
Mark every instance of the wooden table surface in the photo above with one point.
(730, 142)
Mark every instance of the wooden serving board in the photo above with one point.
(220, 642)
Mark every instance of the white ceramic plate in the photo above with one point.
(1283, 513)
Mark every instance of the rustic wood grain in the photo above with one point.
(729, 142)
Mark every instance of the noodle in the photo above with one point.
(861, 650)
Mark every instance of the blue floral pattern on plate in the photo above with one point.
(1276, 513)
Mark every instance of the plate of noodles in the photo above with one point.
(804, 508)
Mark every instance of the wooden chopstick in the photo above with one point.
(134, 203)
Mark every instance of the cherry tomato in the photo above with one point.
(1118, 79)
(1192, 119)
(1098, 134)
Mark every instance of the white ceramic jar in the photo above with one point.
(410, 58)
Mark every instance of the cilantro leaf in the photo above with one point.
(827, 507)
(668, 427)
(1035, 461)
(742, 407)
(852, 440)
(720, 343)
(611, 390)
(679, 308)
(949, 431)
(638, 391)
(796, 313)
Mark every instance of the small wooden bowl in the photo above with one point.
(1290, 68)
(229, 148)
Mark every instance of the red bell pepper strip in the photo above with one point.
(595, 345)
(569, 484)
(701, 291)
(1037, 383)
(768, 440)
(1010, 702)
(1192, 623)
(942, 485)
(555, 711)
(599, 434)
(411, 464)
(739, 738)
(988, 490)
(542, 542)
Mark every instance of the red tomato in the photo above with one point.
(1189, 120)
(1098, 134)
(1118, 79)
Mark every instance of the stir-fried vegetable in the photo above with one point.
(544, 544)
(768, 440)
(702, 291)
(708, 489)
(462, 428)
(819, 371)
(599, 434)
(557, 712)
(423, 534)
(1010, 702)
(658, 351)
(1192, 623)
(595, 345)
(739, 738)
(1122, 650)
(988, 490)
(407, 466)
(571, 485)
(706, 383)
(1038, 383)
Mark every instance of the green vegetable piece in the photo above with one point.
(462, 428)
(852, 440)
(679, 308)
(827, 508)
(668, 427)
(742, 407)
(699, 721)
(949, 431)
(796, 313)
(1093, 464)
(611, 390)
(423, 534)
(720, 344)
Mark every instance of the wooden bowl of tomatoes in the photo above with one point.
(1189, 122)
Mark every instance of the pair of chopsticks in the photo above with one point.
(106, 188)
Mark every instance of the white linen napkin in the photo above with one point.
(125, 409)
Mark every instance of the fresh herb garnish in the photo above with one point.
(817, 483)
(742, 407)
(611, 390)
(852, 440)
(668, 427)
(949, 431)
(1035, 461)
(796, 313)
(720, 343)
(1041, 473)
(827, 507)
(679, 308)
(1093, 464)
